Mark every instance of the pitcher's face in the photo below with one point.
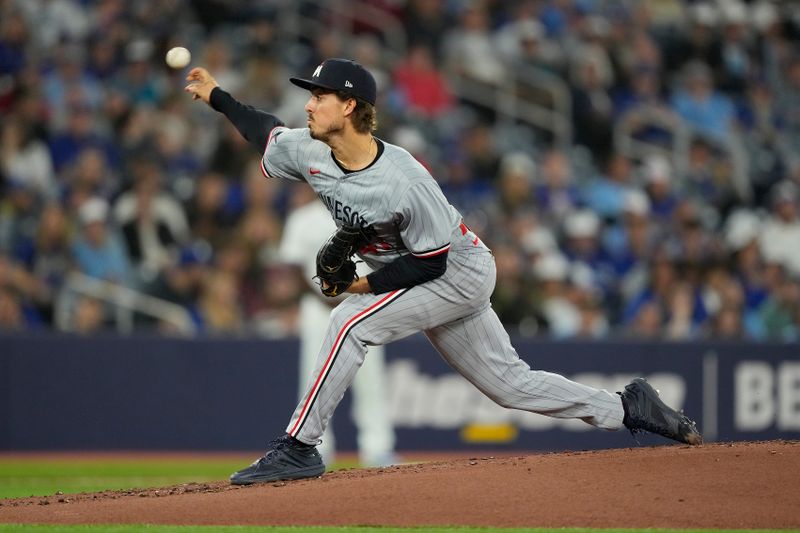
(326, 114)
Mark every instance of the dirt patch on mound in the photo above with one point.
(738, 485)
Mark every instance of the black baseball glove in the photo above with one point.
(336, 271)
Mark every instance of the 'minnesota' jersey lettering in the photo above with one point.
(395, 195)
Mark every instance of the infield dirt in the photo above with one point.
(722, 485)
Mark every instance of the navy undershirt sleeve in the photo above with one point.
(407, 271)
(253, 124)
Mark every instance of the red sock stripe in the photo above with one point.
(335, 350)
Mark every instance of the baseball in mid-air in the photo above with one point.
(178, 57)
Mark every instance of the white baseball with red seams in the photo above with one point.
(178, 57)
(399, 198)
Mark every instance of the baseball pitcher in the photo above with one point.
(430, 272)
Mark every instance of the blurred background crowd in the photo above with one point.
(634, 165)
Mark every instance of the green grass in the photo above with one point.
(41, 477)
(37, 476)
(255, 529)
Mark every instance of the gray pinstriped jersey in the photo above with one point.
(396, 195)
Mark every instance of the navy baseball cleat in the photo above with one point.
(644, 411)
(286, 458)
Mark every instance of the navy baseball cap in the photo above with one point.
(341, 75)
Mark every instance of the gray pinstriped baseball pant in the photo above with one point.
(454, 313)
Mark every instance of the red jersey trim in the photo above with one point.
(432, 253)
(264, 153)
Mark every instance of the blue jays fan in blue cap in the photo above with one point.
(431, 273)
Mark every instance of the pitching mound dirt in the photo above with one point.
(739, 485)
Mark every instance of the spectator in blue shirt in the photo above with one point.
(709, 112)
(97, 251)
(605, 194)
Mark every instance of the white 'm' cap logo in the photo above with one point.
(316, 72)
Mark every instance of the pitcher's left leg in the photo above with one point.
(358, 321)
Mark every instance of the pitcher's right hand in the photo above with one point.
(201, 83)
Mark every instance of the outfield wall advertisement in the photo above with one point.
(112, 393)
